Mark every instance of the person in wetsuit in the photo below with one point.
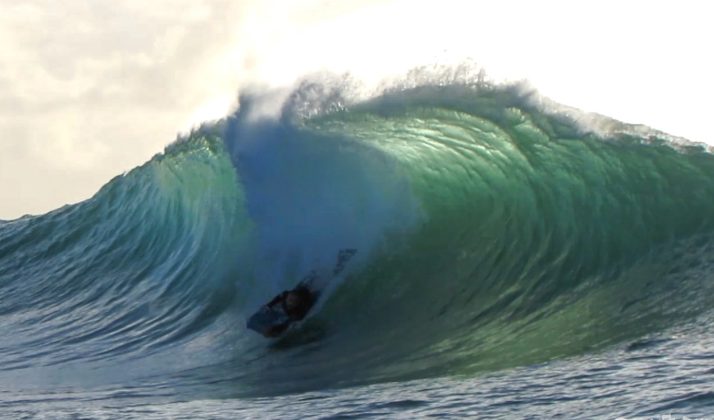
(296, 303)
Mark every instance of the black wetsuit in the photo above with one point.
(307, 299)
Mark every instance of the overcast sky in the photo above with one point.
(92, 88)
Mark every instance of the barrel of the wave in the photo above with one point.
(526, 212)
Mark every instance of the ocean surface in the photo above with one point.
(516, 258)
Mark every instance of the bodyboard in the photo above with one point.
(266, 320)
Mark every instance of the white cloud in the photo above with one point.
(91, 89)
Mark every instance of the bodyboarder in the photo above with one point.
(290, 306)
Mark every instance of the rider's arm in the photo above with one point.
(277, 299)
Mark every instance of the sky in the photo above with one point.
(90, 89)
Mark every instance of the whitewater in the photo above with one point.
(516, 257)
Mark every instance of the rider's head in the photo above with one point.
(293, 300)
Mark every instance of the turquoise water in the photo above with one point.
(513, 260)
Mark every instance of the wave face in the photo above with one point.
(493, 231)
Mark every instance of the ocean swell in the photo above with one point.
(494, 229)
